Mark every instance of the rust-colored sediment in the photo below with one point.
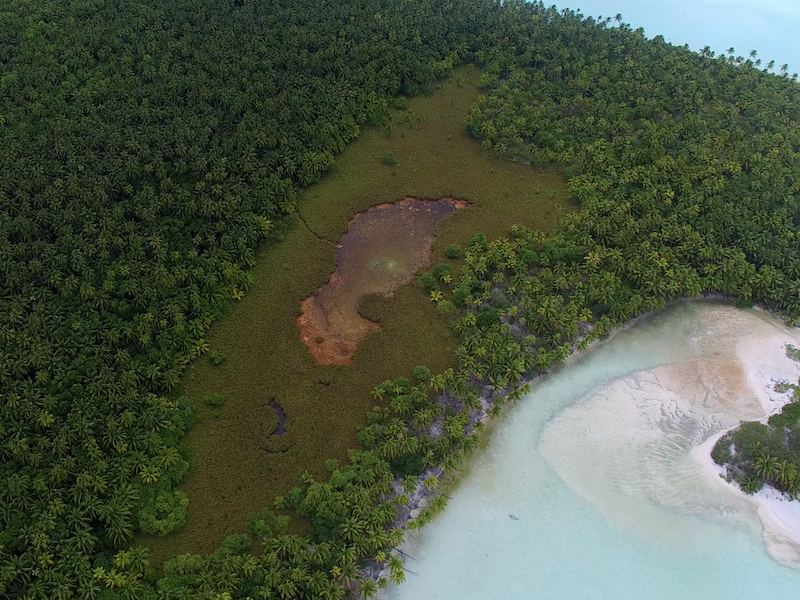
(382, 249)
(328, 347)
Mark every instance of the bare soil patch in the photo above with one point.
(382, 249)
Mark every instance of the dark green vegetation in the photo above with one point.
(388, 159)
(214, 399)
(686, 168)
(756, 453)
(215, 357)
(147, 149)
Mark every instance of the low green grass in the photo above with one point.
(435, 158)
(238, 465)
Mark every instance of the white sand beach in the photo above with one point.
(599, 483)
(647, 436)
(764, 361)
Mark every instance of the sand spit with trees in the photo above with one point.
(643, 441)
(767, 481)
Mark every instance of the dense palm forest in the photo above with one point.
(148, 149)
(685, 167)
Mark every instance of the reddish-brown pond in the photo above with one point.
(382, 249)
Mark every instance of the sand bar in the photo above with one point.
(640, 444)
(764, 361)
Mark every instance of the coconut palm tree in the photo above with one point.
(751, 485)
(785, 472)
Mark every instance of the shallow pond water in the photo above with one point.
(382, 249)
(589, 487)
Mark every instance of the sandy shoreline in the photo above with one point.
(765, 364)
(648, 435)
(641, 442)
(780, 517)
(635, 441)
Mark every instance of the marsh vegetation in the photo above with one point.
(231, 476)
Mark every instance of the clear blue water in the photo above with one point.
(515, 530)
(768, 26)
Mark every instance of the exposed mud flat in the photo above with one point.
(382, 249)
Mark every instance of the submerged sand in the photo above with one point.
(582, 494)
(646, 437)
(382, 249)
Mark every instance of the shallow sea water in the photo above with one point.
(584, 491)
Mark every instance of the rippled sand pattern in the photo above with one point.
(627, 448)
(591, 487)
(381, 251)
(632, 439)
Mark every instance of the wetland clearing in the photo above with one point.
(238, 465)
(382, 249)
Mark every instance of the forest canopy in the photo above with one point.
(149, 148)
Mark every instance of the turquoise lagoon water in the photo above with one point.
(768, 26)
(518, 528)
